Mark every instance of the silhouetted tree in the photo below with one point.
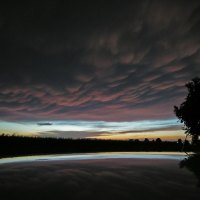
(146, 140)
(180, 144)
(189, 111)
(180, 141)
(158, 140)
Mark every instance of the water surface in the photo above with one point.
(100, 176)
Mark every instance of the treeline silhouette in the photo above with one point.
(21, 145)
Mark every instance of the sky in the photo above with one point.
(97, 69)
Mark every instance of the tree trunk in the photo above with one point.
(195, 139)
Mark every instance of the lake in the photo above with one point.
(127, 175)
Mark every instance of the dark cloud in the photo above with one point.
(99, 179)
(44, 124)
(97, 60)
(170, 128)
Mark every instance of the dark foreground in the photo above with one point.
(102, 177)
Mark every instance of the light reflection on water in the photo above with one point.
(104, 155)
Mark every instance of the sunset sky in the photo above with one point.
(98, 69)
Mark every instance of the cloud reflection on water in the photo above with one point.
(98, 178)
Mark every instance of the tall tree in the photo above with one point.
(189, 111)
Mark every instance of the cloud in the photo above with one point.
(111, 134)
(88, 129)
(129, 62)
(44, 124)
(69, 134)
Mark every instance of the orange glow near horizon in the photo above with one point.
(164, 135)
